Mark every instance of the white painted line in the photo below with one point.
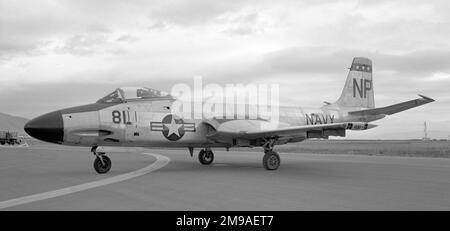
(160, 162)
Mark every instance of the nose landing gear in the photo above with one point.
(102, 163)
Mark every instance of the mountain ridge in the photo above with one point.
(12, 123)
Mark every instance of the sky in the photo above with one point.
(57, 54)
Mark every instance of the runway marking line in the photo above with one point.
(160, 162)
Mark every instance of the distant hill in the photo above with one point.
(12, 123)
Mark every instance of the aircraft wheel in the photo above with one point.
(104, 167)
(271, 160)
(206, 157)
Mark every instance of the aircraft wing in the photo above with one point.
(389, 110)
(253, 129)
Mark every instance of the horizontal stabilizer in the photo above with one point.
(389, 110)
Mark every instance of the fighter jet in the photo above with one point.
(142, 117)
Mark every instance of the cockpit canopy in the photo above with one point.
(124, 94)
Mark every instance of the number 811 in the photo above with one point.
(118, 117)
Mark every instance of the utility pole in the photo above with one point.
(425, 133)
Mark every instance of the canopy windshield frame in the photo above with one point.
(124, 94)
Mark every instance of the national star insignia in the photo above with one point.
(173, 127)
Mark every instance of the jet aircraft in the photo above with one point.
(142, 117)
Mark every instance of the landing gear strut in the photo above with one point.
(102, 163)
(271, 159)
(206, 156)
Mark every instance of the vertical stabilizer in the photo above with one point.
(358, 89)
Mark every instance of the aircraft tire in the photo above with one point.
(271, 160)
(206, 157)
(99, 167)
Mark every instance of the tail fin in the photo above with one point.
(358, 89)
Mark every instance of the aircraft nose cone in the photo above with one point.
(47, 127)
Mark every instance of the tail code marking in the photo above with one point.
(362, 88)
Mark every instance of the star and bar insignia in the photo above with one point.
(172, 127)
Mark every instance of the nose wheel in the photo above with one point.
(206, 156)
(102, 163)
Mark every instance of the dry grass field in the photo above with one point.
(416, 148)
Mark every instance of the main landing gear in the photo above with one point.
(102, 163)
(271, 159)
(206, 156)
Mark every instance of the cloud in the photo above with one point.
(191, 13)
(33, 28)
(98, 28)
(326, 60)
(82, 44)
(420, 62)
(127, 38)
(439, 76)
(11, 47)
(244, 22)
(23, 27)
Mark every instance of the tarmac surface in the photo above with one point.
(51, 177)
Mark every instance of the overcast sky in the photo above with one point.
(56, 54)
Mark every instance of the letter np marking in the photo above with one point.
(362, 88)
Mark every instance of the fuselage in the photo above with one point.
(152, 123)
